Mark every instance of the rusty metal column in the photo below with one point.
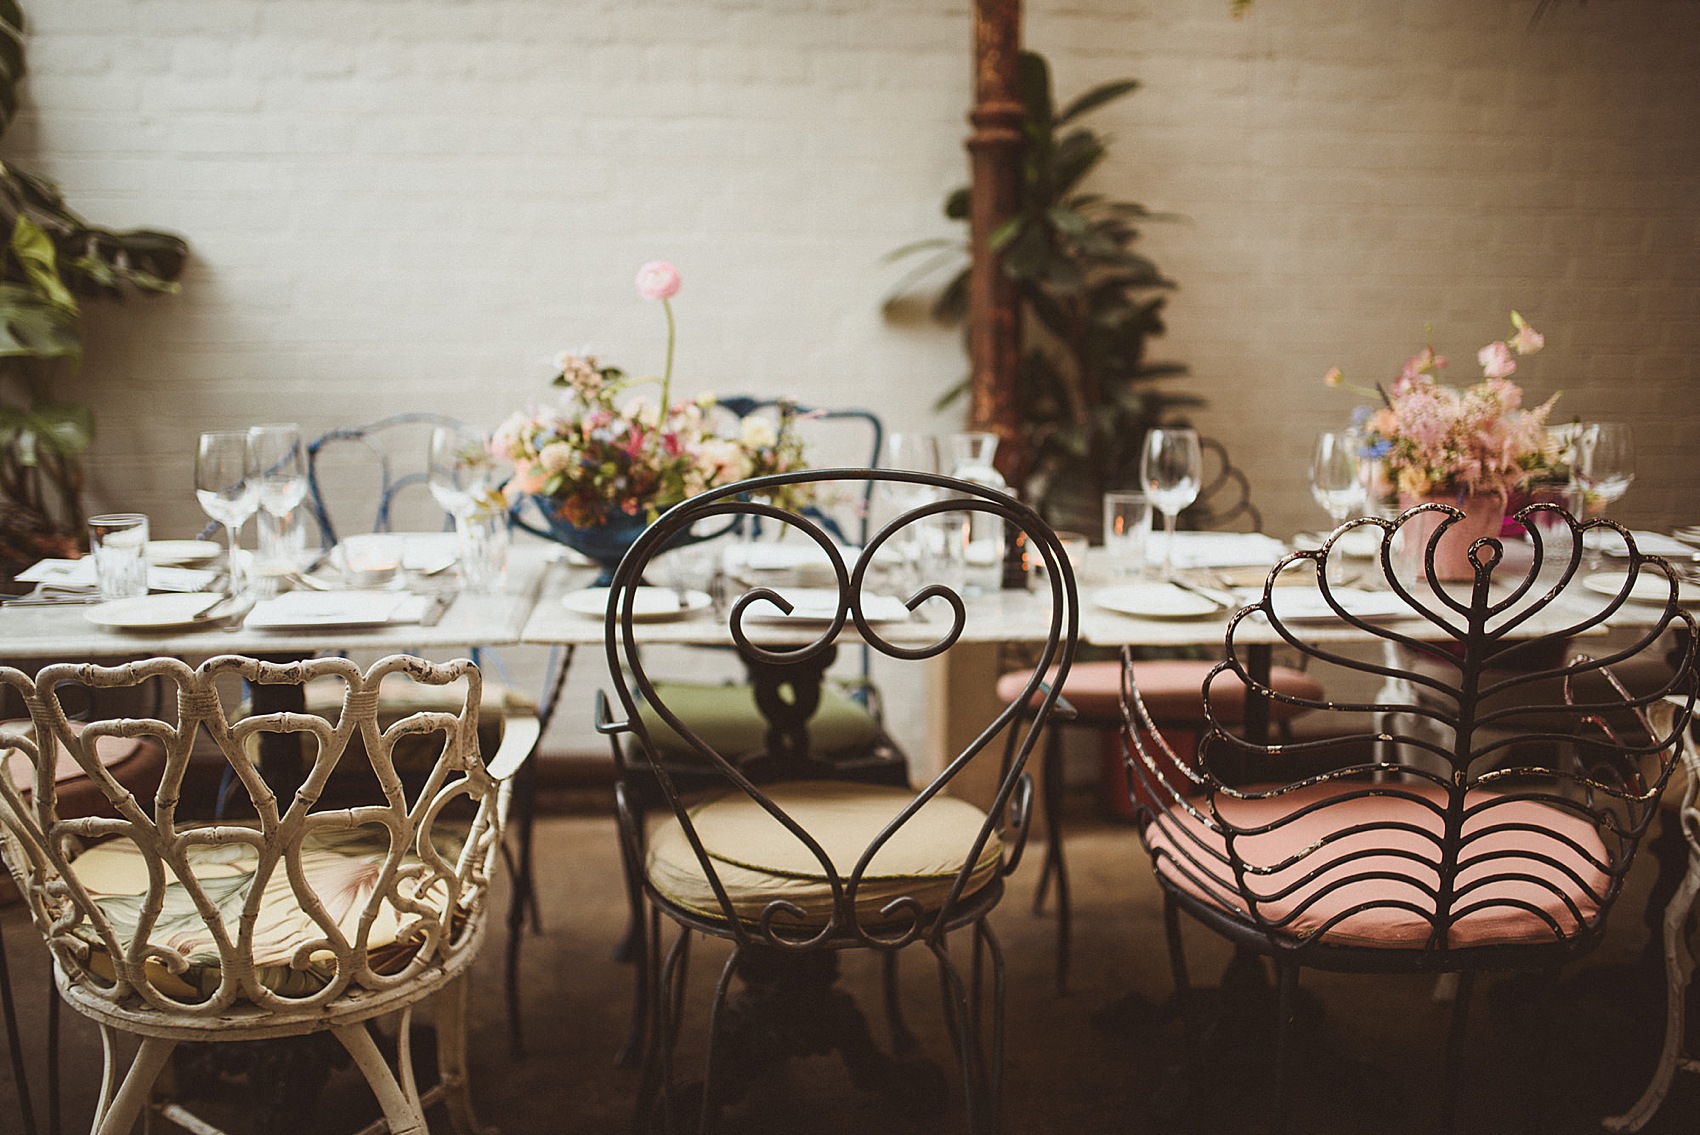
(994, 149)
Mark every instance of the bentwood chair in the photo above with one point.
(791, 865)
(1509, 857)
(1171, 687)
(293, 919)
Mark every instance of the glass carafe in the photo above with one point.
(972, 455)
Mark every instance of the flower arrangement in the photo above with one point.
(599, 461)
(1437, 439)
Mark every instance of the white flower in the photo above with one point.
(758, 433)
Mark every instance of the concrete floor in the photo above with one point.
(1541, 1058)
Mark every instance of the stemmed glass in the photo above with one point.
(281, 461)
(227, 485)
(462, 474)
(1171, 466)
(1608, 462)
(915, 453)
(1605, 471)
(1335, 478)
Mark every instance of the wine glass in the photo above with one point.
(914, 453)
(1171, 466)
(1608, 463)
(227, 485)
(1605, 471)
(463, 475)
(1335, 479)
(281, 461)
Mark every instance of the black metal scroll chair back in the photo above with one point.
(384, 465)
(861, 440)
(790, 867)
(1494, 837)
(1224, 499)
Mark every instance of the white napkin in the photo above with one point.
(307, 609)
(73, 574)
(1218, 549)
(820, 605)
(1650, 543)
(1296, 604)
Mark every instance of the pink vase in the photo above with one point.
(1484, 513)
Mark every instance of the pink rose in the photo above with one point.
(658, 280)
(1334, 377)
(1496, 360)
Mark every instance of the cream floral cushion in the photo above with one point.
(341, 867)
(758, 860)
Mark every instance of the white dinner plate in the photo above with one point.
(1650, 587)
(152, 612)
(1689, 535)
(182, 551)
(1157, 601)
(649, 604)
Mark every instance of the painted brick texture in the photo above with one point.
(414, 203)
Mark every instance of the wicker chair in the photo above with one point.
(1510, 858)
(791, 865)
(297, 920)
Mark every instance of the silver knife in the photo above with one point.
(440, 603)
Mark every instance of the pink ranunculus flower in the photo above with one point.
(658, 280)
(1334, 377)
(1496, 360)
(1527, 340)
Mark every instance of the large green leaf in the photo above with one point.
(31, 325)
(1095, 98)
(39, 260)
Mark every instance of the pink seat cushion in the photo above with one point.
(1186, 852)
(1172, 690)
(135, 762)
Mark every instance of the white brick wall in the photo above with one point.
(400, 203)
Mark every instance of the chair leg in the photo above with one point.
(636, 949)
(117, 1114)
(1287, 984)
(451, 1057)
(903, 1040)
(19, 1075)
(400, 1112)
(1455, 1050)
(53, 1093)
(1177, 948)
(523, 898)
(1051, 781)
(1677, 967)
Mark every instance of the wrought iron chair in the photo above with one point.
(1509, 858)
(1171, 688)
(300, 919)
(790, 865)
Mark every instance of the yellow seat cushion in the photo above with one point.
(341, 867)
(758, 860)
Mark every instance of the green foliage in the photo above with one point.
(51, 260)
(1089, 303)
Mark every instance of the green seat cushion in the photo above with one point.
(728, 721)
(758, 860)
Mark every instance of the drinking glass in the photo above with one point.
(1336, 481)
(227, 485)
(282, 485)
(118, 541)
(973, 458)
(914, 453)
(1171, 465)
(1608, 463)
(463, 476)
(1127, 528)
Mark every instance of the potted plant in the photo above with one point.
(1089, 302)
(53, 260)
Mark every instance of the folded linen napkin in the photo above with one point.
(1219, 549)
